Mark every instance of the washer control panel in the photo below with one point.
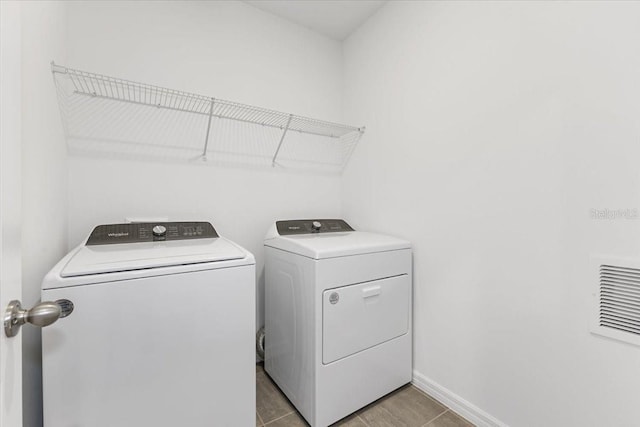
(150, 232)
(310, 226)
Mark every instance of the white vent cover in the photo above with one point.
(617, 299)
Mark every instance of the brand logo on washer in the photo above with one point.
(66, 307)
(334, 298)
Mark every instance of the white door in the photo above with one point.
(10, 208)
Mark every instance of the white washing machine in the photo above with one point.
(159, 330)
(337, 316)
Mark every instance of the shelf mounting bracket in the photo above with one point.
(284, 133)
(206, 138)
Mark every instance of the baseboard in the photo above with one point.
(469, 411)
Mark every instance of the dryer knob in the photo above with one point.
(159, 230)
(316, 225)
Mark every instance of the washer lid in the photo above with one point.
(96, 259)
(331, 245)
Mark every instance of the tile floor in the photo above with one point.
(405, 407)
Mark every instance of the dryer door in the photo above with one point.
(357, 317)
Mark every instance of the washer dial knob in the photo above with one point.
(159, 230)
(316, 225)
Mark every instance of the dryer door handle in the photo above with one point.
(371, 291)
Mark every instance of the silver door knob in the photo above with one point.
(41, 315)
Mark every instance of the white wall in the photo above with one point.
(229, 50)
(44, 179)
(492, 129)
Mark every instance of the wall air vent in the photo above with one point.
(617, 299)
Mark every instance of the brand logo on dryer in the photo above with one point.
(334, 298)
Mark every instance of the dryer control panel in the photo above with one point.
(150, 232)
(310, 226)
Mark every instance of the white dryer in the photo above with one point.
(159, 330)
(337, 316)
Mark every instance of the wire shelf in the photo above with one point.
(113, 116)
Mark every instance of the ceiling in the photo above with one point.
(336, 19)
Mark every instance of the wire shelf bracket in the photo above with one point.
(112, 115)
(284, 133)
(206, 138)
